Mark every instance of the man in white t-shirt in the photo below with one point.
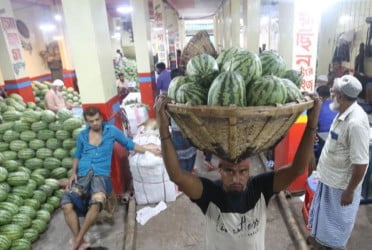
(235, 206)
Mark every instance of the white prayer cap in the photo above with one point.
(58, 83)
(322, 78)
(348, 85)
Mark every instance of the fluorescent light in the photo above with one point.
(125, 9)
(57, 38)
(47, 27)
(158, 29)
(58, 17)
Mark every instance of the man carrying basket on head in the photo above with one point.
(235, 206)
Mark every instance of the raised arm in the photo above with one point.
(285, 176)
(188, 183)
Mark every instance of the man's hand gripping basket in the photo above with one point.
(234, 133)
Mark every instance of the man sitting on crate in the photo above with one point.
(235, 206)
(90, 182)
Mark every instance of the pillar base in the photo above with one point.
(22, 87)
(148, 91)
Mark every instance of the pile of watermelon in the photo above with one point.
(36, 149)
(40, 89)
(237, 77)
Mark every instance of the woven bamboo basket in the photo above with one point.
(234, 133)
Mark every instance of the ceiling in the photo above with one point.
(186, 9)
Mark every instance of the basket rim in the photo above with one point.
(232, 110)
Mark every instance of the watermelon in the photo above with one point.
(68, 143)
(191, 93)
(26, 153)
(11, 115)
(5, 186)
(226, 55)
(45, 134)
(33, 163)
(51, 163)
(23, 191)
(20, 126)
(60, 153)
(11, 165)
(246, 63)
(63, 134)
(72, 123)
(31, 116)
(33, 202)
(28, 210)
(47, 116)
(48, 207)
(10, 207)
(227, 89)
(18, 178)
(293, 93)
(272, 63)
(43, 153)
(67, 162)
(21, 244)
(12, 231)
(3, 174)
(63, 115)
(3, 195)
(39, 225)
(53, 200)
(54, 143)
(40, 196)
(10, 135)
(267, 90)
(36, 144)
(22, 219)
(175, 84)
(6, 126)
(5, 242)
(4, 146)
(30, 234)
(54, 126)
(39, 125)
(15, 199)
(202, 69)
(43, 215)
(27, 135)
(295, 76)
(58, 173)
(5, 217)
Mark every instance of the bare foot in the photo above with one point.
(84, 245)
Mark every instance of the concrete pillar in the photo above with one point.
(226, 26)
(181, 34)
(286, 34)
(253, 25)
(160, 31)
(87, 26)
(171, 24)
(11, 53)
(235, 22)
(142, 45)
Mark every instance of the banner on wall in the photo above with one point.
(306, 28)
(159, 31)
(14, 46)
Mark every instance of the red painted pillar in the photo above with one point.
(286, 150)
(69, 78)
(148, 91)
(22, 87)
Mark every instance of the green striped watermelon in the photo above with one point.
(267, 90)
(28, 210)
(63, 134)
(17, 145)
(18, 178)
(30, 234)
(54, 126)
(191, 93)
(3, 174)
(293, 93)
(33, 163)
(12, 231)
(272, 63)
(175, 84)
(295, 76)
(39, 125)
(21, 244)
(5, 217)
(15, 199)
(48, 116)
(21, 126)
(27, 135)
(25, 154)
(227, 89)
(3, 195)
(36, 144)
(202, 69)
(10, 207)
(5, 242)
(22, 219)
(246, 63)
(226, 55)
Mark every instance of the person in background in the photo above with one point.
(235, 206)
(54, 99)
(321, 80)
(90, 182)
(118, 61)
(3, 93)
(337, 70)
(186, 153)
(341, 169)
(122, 86)
(326, 117)
(164, 78)
(359, 60)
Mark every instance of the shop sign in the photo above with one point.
(306, 26)
(14, 45)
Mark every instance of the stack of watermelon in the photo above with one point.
(40, 89)
(237, 77)
(36, 149)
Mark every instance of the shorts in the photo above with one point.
(89, 185)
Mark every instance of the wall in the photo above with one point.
(344, 16)
(32, 16)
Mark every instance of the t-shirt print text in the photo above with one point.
(242, 229)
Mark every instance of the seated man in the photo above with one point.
(91, 172)
(54, 99)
